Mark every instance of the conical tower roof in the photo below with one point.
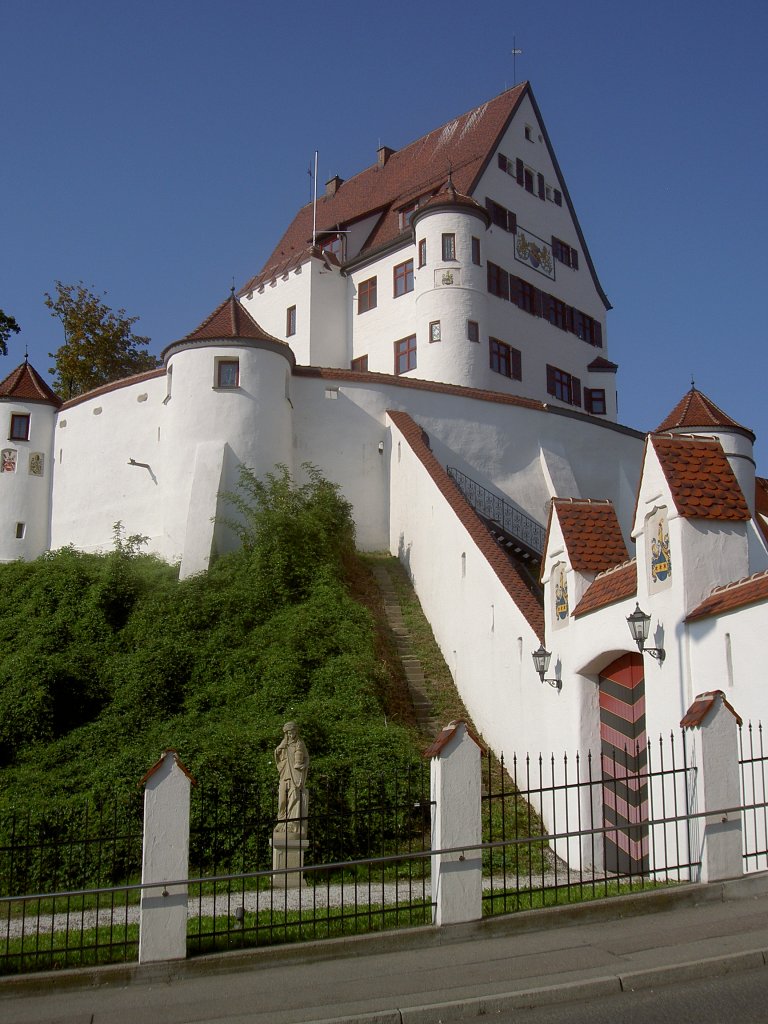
(229, 320)
(695, 412)
(24, 384)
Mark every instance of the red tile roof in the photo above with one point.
(462, 148)
(446, 734)
(613, 585)
(701, 707)
(602, 365)
(508, 574)
(591, 533)
(230, 320)
(26, 385)
(695, 412)
(701, 480)
(750, 590)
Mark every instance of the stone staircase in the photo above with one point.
(414, 672)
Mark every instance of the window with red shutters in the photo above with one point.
(504, 359)
(563, 386)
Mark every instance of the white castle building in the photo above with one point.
(433, 337)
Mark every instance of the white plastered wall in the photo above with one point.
(25, 499)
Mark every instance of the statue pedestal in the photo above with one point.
(288, 856)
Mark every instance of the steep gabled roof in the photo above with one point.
(696, 412)
(462, 148)
(591, 533)
(750, 590)
(26, 385)
(613, 585)
(506, 571)
(700, 478)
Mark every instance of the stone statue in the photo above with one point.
(292, 762)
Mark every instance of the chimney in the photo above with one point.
(384, 153)
(333, 185)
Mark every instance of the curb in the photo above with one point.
(593, 988)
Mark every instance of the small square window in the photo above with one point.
(20, 531)
(19, 427)
(449, 247)
(476, 251)
(434, 331)
(360, 364)
(290, 321)
(594, 401)
(473, 330)
(228, 373)
(529, 133)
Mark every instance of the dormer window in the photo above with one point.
(334, 244)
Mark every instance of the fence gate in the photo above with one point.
(624, 760)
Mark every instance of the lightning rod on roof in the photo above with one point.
(314, 204)
(516, 52)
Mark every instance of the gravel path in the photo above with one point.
(305, 899)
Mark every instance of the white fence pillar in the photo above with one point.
(718, 784)
(455, 776)
(165, 858)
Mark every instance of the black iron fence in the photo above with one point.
(567, 829)
(754, 796)
(65, 877)
(636, 803)
(365, 863)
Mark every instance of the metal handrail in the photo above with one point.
(514, 522)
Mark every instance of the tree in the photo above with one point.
(7, 324)
(99, 345)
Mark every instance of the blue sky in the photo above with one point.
(156, 150)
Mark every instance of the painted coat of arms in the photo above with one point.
(535, 252)
(561, 597)
(661, 563)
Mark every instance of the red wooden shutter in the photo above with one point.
(541, 186)
(550, 380)
(574, 259)
(558, 198)
(516, 364)
(519, 171)
(575, 391)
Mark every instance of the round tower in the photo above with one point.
(27, 420)
(227, 404)
(449, 283)
(697, 414)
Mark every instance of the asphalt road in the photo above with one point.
(740, 998)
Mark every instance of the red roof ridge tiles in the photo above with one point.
(505, 570)
(114, 385)
(729, 596)
(696, 410)
(701, 707)
(24, 384)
